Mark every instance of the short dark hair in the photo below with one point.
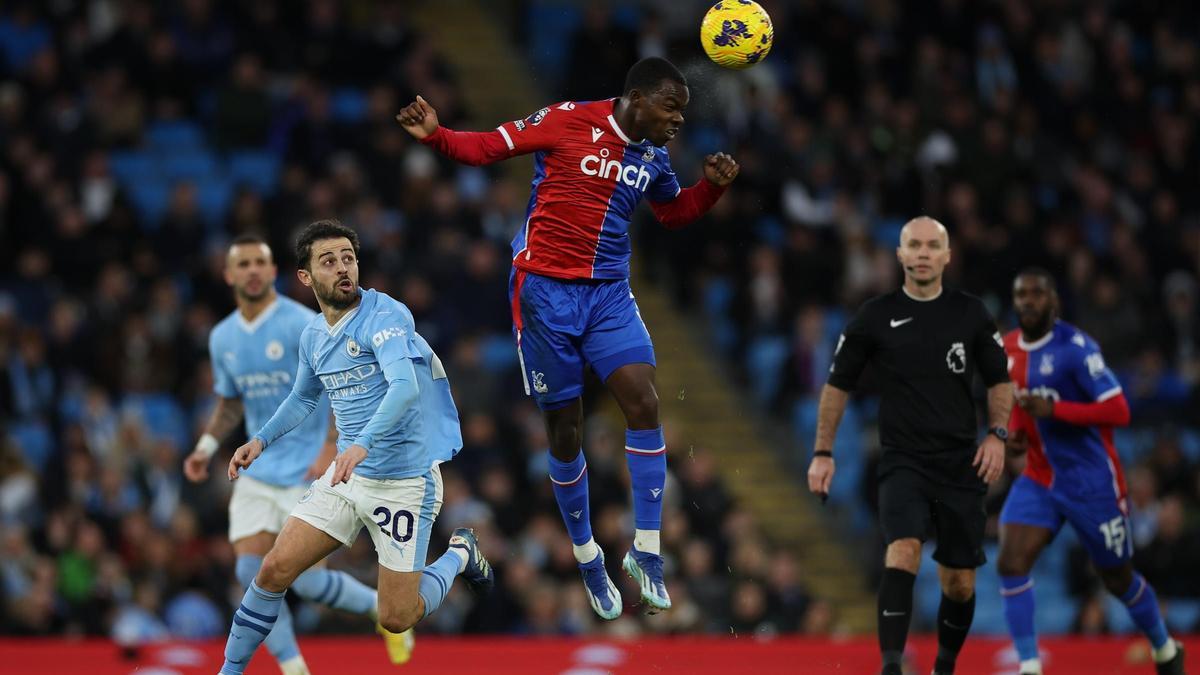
(647, 74)
(316, 231)
(249, 238)
(1039, 272)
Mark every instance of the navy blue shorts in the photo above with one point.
(561, 326)
(1101, 523)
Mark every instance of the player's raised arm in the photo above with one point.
(688, 204)
(539, 131)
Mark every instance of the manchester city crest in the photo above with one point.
(352, 348)
(274, 350)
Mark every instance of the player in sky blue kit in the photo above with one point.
(396, 422)
(572, 306)
(1068, 402)
(253, 353)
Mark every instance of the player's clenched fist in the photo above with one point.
(418, 118)
(720, 169)
(344, 465)
(244, 456)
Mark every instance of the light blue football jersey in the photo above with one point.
(256, 361)
(349, 361)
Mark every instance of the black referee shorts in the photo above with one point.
(912, 506)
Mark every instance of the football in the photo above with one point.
(736, 33)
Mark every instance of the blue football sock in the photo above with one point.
(571, 492)
(436, 580)
(336, 589)
(281, 642)
(646, 456)
(1017, 594)
(252, 622)
(1142, 604)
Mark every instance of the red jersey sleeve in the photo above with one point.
(690, 204)
(537, 132)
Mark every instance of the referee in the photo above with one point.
(924, 344)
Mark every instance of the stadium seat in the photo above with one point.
(150, 197)
(1183, 614)
(498, 353)
(174, 136)
(765, 359)
(256, 169)
(131, 166)
(35, 442)
(161, 416)
(193, 165)
(213, 198)
(348, 105)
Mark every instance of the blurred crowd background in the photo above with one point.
(137, 138)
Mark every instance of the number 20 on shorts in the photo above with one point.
(394, 520)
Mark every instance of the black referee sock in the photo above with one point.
(954, 622)
(895, 610)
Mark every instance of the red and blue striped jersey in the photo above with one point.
(588, 178)
(1066, 452)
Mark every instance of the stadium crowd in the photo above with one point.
(137, 138)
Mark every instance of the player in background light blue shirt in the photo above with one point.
(253, 353)
(396, 423)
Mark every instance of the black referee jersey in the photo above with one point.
(923, 354)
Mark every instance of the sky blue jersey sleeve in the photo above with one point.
(390, 332)
(298, 405)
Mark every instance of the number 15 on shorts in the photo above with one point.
(1115, 533)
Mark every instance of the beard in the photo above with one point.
(1036, 326)
(332, 296)
(245, 293)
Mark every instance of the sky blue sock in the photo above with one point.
(571, 492)
(436, 580)
(646, 456)
(252, 622)
(1142, 604)
(336, 589)
(282, 640)
(1017, 593)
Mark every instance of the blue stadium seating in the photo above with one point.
(255, 169)
(348, 105)
(195, 165)
(173, 136)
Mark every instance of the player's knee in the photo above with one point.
(958, 587)
(904, 554)
(276, 574)
(1013, 564)
(642, 411)
(1117, 580)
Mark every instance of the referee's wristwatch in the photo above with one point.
(999, 432)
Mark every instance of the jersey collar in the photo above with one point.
(341, 323)
(916, 299)
(612, 122)
(1038, 343)
(252, 326)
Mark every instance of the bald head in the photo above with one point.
(924, 251)
(924, 227)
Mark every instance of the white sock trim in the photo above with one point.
(647, 541)
(1031, 667)
(587, 551)
(1166, 652)
(294, 666)
(462, 558)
